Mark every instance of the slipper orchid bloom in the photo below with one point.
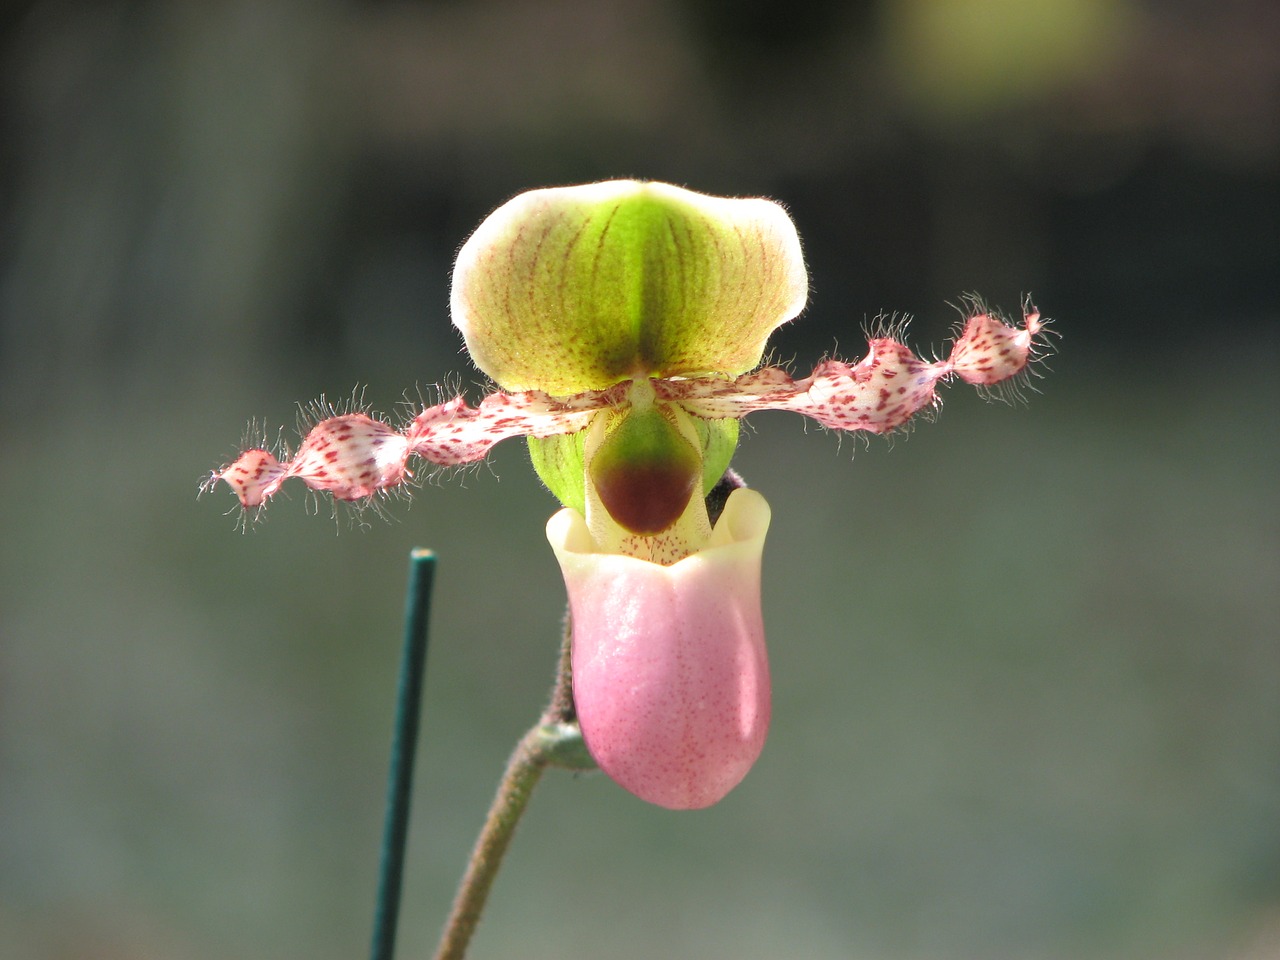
(625, 323)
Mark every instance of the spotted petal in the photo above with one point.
(878, 394)
(354, 456)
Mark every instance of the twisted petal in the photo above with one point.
(881, 392)
(351, 457)
(670, 676)
(255, 475)
(577, 288)
(354, 456)
(453, 433)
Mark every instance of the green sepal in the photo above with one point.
(560, 462)
(719, 441)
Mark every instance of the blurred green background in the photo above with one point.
(1026, 665)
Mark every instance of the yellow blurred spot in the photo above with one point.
(955, 59)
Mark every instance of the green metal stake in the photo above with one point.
(404, 742)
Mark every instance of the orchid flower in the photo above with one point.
(624, 323)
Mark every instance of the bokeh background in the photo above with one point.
(1026, 665)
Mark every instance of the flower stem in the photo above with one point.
(554, 740)
(523, 772)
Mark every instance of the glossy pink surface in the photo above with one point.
(670, 674)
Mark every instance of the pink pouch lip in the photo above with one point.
(670, 673)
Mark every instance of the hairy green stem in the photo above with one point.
(554, 740)
(523, 772)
